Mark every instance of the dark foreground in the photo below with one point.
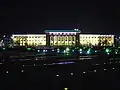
(96, 74)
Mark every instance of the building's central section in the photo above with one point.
(63, 37)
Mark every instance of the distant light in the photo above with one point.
(64, 51)
(116, 52)
(52, 49)
(113, 68)
(95, 51)
(67, 49)
(44, 64)
(80, 50)
(23, 65)
(72, 50)
(84, 72)
(38, 50)
(28, 49)
(3, 48)
(88, 52)
(58, 51)
(96, 64)
(57, 75)
(71, 73)
(34, 65)
(107, 50)
(94, 70)
(22, 70)
(3, 35)
(65, 88)
(6, 71)
(105, 69)
(44, 50)
(108, 53)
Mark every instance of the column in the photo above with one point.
(77, 39)
(47, 39)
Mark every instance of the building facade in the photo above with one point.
(62, 37)
(96, 40)
(29, 40)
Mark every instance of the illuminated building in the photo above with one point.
(106, 40)
(96, 40)
(62, 37)
(29, 39)
(89, 39)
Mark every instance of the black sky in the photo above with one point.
(35, 17)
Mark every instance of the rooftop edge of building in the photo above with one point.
(72, 30)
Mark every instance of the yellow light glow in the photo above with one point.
(30, 39)
(92, 39)
(65, 88)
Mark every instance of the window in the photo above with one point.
(66, 38)
(73, 38)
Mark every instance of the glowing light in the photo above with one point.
(23, 65)
(64, 33)
(28, 49)
(88, 52)
(44, 50)
(116, 52)
(22, 70)
(107, 50)
(6, 71)
(113, 68)
(105, 69)
(71, 73)
(31, 39)
(94, 70)
(72, 50)
(84, 72)
(65, 88)
(95, 51)
(3, 48)
(34, 65)
(57, 75)
(38, 50)
(64, 51)
(80, 50)
(67, 49)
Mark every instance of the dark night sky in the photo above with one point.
(35, 17)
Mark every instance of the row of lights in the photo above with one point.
(72, 72)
